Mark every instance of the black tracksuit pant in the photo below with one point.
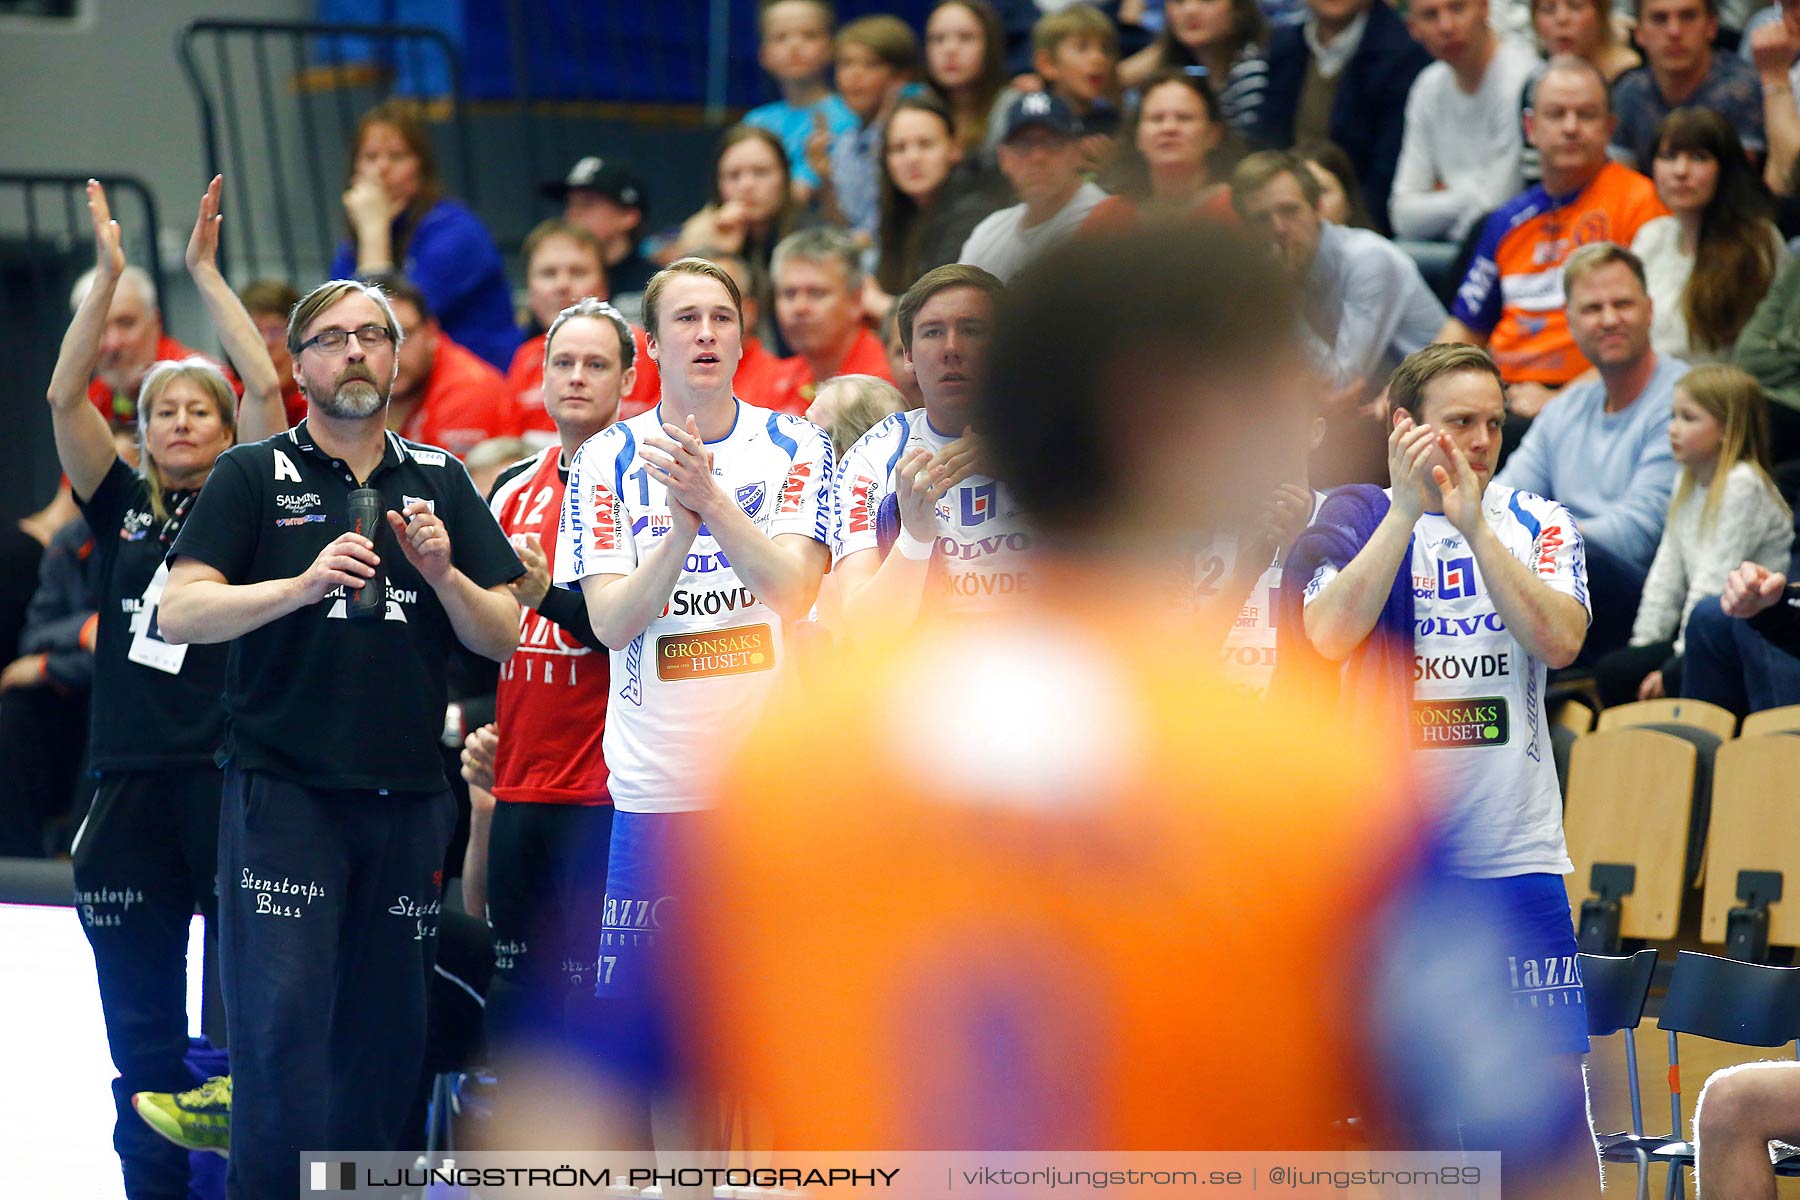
(145, 859)
(328, 914)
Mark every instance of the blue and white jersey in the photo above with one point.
(1479, 732)
(1249, 654)
(983, 549)
(704, 666)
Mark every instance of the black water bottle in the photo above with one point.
(368, 602)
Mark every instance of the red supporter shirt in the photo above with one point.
(759, 375)
(122, 410)
(792, 385)
(1121, 214)
(294, 403)
(465, 403)
(551, 703)
(525, 385)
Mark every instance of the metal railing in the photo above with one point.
(46, 242)
(278, 104)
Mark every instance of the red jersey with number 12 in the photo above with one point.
(551, 704)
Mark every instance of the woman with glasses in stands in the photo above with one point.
(147, 854)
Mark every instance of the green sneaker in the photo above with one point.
(196, 1120)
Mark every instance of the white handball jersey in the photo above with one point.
(1478, 729)
(704, 666)
(982, 552)
(1249, 655)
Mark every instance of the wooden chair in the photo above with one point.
(1719, 722)
(1772, 720)
(1755, 826)
(1631, 801)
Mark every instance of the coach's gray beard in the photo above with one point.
(354, 400)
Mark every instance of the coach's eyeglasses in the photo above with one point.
(333, 340)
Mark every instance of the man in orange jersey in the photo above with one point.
(1511, 301)
(1082, 882)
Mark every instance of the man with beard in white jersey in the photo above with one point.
(960, 544)
(692, 531)
(1496, 583)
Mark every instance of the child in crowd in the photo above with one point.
(796, 49)
(1076, 53)
(877, 57)
(1725, 510)
(1224, 40)
(965, 67)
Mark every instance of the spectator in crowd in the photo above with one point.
(1602, 449)
(1743, 651)
(1340, 196)
(607, 198)
(1774, 48)
(751, 207)
(1040, 153)
(1459, 158)
(345, 825)
(927, 466)
(761, 375)
(818, 304)
(965, 67)
(1343, 77)
(877, 58)
(550, 827)
(148, 852)
(899, 369)
(1495, 595)
(1364, 304)
(1075, 51)
(132, 340)
(848, 406)
(44, 696)
(1713, 259)
(1585, 29)
(796, 50)
(1511, 300)
(563, 264)
(1681, 69)
(1174, 161)
(1225, 37)
(1726, 511)
(401, 223)
(269, 301)
(1769, 348)
(442, 394)
(1740, 1111)
(696, 530)
(932, 195)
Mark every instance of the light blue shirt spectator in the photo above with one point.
(1366, 308)
(1612, 471)
(794, 125)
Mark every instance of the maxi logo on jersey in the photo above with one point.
(860, 512)
(793, 489)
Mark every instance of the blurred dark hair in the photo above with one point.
(1336, 162)
(1081, 320)
(1735, 261)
